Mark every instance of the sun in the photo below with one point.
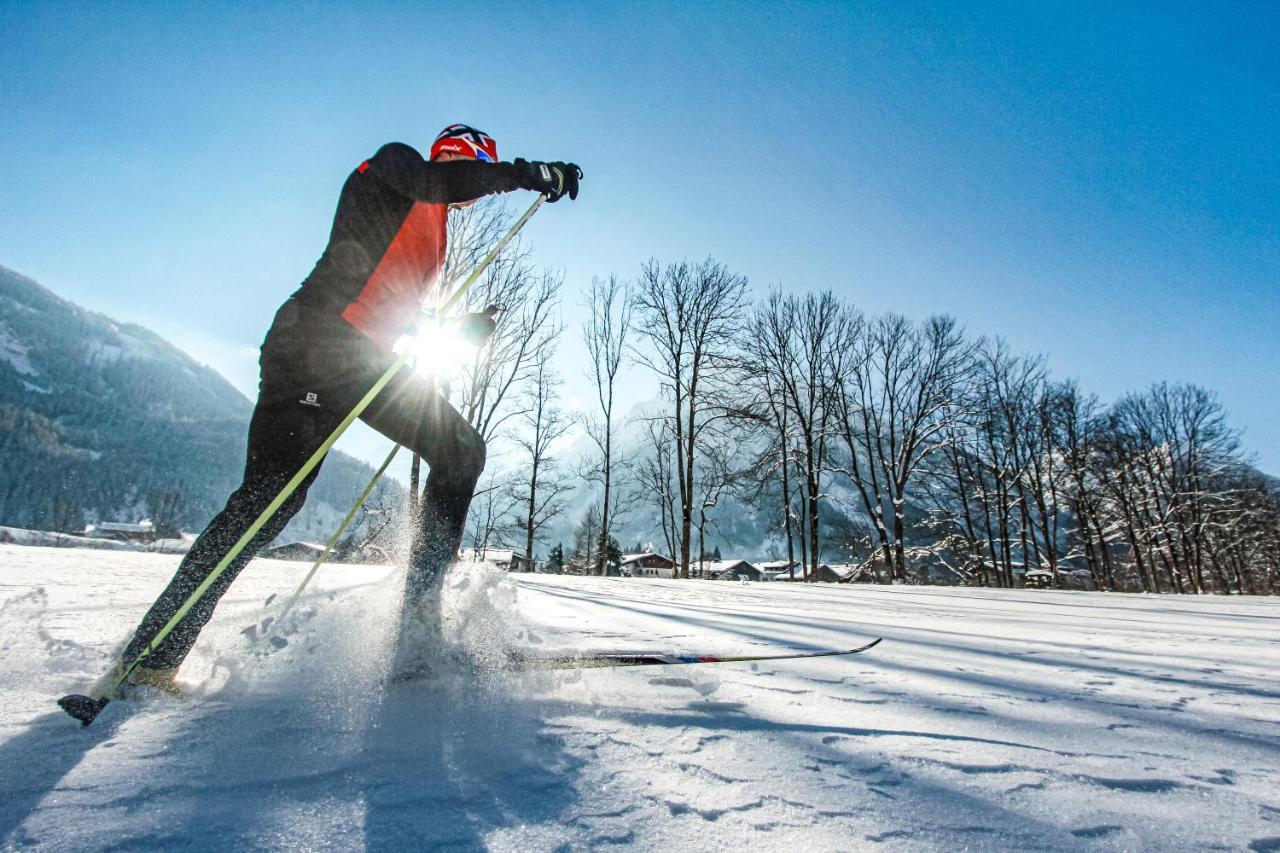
(438, 350)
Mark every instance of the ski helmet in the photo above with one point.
(467, 141)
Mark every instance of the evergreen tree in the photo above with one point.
(613, 556)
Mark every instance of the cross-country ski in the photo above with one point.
(605, 660)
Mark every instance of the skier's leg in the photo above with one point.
(282, 436)
(412, 413)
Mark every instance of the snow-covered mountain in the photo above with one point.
(107, 421)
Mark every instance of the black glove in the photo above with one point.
(475, 329)
(553, 180)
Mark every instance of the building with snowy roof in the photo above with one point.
(142, 531)
(507, 559)
(731, 570)
(647, 565)
(780, 569)
(297, 550)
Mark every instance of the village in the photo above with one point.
(144, 535)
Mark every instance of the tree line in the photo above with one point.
(910, 447)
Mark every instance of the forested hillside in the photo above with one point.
(106, 421)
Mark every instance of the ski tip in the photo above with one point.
(83, 708)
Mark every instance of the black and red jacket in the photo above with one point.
(387, 246)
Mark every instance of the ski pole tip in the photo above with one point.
(83, 708)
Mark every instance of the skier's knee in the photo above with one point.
(471, 457)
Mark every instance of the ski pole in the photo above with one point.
(333, 540)
(324, 555)
(86, 708)
(493, 253)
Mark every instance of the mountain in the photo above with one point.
(107, 421)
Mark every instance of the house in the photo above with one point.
(1067, 579)
(780, 570)
(731, 570)
(306, 551)
(508, 559)
(142, 531)
(842, 573)
(647, 565)
(828, 573)
(1038, 579)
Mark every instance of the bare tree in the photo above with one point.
(527, 326)
(543, 424)
(605, 334)
(1079, 446)
(1007, 386)
(799, 346)
(714, 476)
(491, 383)
(766, 480)
(686, 313)
(1169, 448)
(1045, 480)
(901, 395)
(494, 517)
(1004, 474)
(655, 477)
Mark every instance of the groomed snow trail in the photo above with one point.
(1025, 720)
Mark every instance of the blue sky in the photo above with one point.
(1096, 182)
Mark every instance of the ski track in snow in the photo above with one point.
(1027, 720)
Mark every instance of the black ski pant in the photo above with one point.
(306, 389)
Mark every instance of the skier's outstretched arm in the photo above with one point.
(457, 181)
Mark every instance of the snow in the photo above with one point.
(50, 539)
(124, 345)
(16, 353)
(1029, 720)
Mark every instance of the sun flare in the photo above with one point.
(438, 350)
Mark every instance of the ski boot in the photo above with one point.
(144, 679)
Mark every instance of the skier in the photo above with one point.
(328, 345)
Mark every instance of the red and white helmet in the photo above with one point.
(467, 141)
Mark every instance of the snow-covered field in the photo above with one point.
(986, 720)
